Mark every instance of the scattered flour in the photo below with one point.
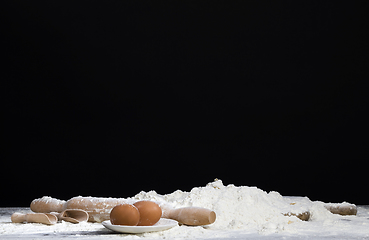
(241, 212)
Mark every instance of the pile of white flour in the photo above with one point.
(240, 207)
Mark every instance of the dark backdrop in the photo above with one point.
(111, 98)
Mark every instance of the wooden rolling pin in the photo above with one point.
(99, 209)
(47, 205)
(193, 216)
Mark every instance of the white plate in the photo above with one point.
(162, 224)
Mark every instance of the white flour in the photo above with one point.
(238, 207)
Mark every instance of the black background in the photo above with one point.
(108, 98)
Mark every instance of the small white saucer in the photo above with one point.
(162, 224)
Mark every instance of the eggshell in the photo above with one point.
(150, 213)
(125, 214)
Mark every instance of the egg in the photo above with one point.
(150, 213)
(125, 214)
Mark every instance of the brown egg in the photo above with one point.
(150, 213)
(125, 214)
